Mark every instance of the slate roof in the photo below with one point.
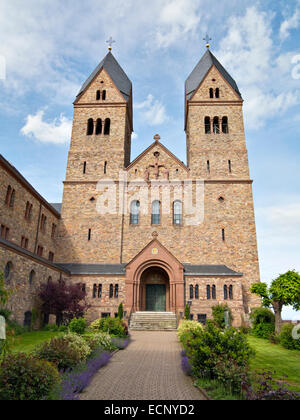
(120, 269)
(57, 207)
(209, 270)
(196, 77)
(113, 68)
(85, 269)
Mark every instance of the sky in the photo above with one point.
(50, 47)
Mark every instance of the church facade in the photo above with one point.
(154, 233)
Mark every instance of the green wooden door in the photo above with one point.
(156, 298)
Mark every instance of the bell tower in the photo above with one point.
(214, 125)
(102, 124)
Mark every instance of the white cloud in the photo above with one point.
(57, 131)
(249, 52)
(152, 111)
(289, 24)
(177, 18)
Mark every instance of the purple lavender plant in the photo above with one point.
(74, 382)
(120, 343)
(186, 367)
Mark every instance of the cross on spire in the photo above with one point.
(207, 39)
(110, 42)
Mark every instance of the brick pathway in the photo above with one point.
(149, 369)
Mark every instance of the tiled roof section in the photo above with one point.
(26, 253)
(57, 207)
(196, 77)
(113, 68)
(9, 167)
(209, 270)
(92, 269)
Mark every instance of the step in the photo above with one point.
(153, 321)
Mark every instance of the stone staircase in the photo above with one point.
(153, 321)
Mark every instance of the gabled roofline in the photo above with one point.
(155, 240)
(20, 178)
(157, 143)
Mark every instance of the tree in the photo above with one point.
(120, 311)
(284, 291)
(63, 299)
(187, 312)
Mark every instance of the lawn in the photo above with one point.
(25, 343)
(276, 358)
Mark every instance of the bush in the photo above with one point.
(231, 375)
(187, 329)
(97, 340)
(78, 325)
(286, 339)
(211, 346)
(262, 316)
(113, 326)
(65, 352)
(219, 315)
(263, 330)
(5, 313)
(25, 377)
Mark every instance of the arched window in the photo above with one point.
(213, 292)
(208, 295)
(111, 291)
(8, 272)
(116, 291)
(197, 292)
(90, 127)
(104, 95)
(31, 277)
(218, 93)
(231, 292)
(105, 168)
(156, 213)
(207, 125)
(177, 213)
(27, 319)
(216, 125)
(12, 198)
(94, 291)
(99, 291)
(225, 292)
(49, 280)
(225, 129)
(98, 95)
(191, 291)
(134, 213)
(107, 127)
(99, 127)
(8, 195)
(211, 93)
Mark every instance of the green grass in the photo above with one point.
(26, 342)
(215, 390)
(274, 357)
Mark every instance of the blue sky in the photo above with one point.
(49, 48)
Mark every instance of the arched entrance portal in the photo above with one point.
(155, 290)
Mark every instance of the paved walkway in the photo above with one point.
(149, 369)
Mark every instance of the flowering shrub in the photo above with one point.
(186, 366)
(113, 326)
(99, 339)
(25, 377)
(120, 343)
(268, 389)
(190, 327)
(65, 351)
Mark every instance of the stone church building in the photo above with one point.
(154, 233)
